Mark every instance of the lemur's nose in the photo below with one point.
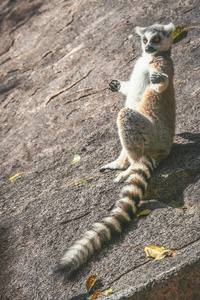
(149, 49)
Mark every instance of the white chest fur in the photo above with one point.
(139, 82)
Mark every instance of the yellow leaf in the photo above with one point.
(18, 174)
(179, 30)
(153, 251)
(159, 252)
(75, 159)
(166, 253)
(162, 255)
(95, 295)
(108, 292)
(143, 212)
(84, 180)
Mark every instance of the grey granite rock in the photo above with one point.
(56, 60)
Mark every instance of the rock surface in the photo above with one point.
(56, 60)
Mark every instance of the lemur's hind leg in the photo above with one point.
(121, 163)
(136, 132)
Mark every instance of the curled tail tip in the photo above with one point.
(78, 253)
(66, 266)
(63, 264)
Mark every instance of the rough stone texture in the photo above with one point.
(56, 60)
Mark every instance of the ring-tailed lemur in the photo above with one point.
(146, 129)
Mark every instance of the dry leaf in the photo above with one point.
(95, 295)
(108, 292)
(75, 159)
(18, 174)
(143, 212)
(84, 180)
(159, 252)
(90, 282)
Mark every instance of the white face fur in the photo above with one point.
(156, 38)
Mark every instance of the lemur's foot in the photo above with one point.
(114, 86)
(115, 165)
(120, 178)
(111, 166)
(157, 78)
(123, 175)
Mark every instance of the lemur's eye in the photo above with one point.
(144, 40)
(157, 39)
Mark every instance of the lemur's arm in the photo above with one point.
(119, 86)
(159, 70)
(159, 81)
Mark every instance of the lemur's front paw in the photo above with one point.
(114, 86)
(157, 78)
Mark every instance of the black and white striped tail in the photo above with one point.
(120, 217)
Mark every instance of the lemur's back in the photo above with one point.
(160, 107)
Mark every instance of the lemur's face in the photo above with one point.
(156, 38)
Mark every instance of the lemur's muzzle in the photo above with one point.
(149, 49)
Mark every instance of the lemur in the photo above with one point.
(146, 129)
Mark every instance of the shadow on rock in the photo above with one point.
(80, 297)
(179, 170)
(4, 259)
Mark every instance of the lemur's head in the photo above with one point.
(156, 38)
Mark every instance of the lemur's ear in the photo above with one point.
(140, 30)
(169, 28)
